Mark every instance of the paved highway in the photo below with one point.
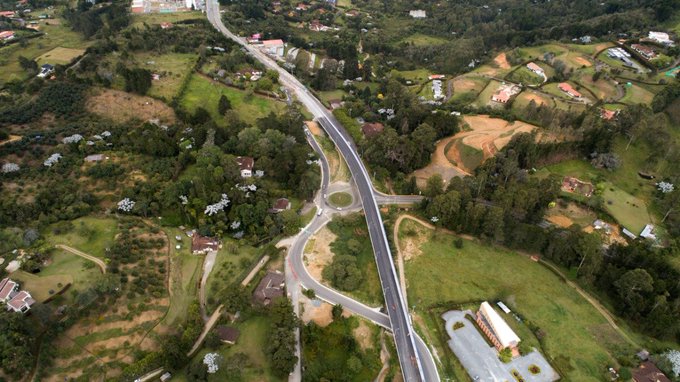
(399, 319)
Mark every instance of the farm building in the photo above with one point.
(608, 115)
(270, 287)
(202, 244)
(644, 51)
(6, 35)
(535, 68)
(280, 205)
(496, 329)
(371, 129)
(273, 47)
(567, 88)
(227, 334)
(418, 14)
(245, 165)
(660, 37)
(648, 372)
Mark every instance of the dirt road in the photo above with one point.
(100, 263)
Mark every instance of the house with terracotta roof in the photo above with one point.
(270, 287)
(371, 129)
(567, 88)
(273, 47)
(535, 68)
(166, 25)
(648, 372)
(501, 96)
(245, 165)
(7, 14)
(201, 245)
(644, 51)
(608, 115)
(280, 205)
(6, 35)
(19, 301)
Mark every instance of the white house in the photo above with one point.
(660, 37)
(535, 68)
(418, 14)
(46, 70)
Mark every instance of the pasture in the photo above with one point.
(575, 336)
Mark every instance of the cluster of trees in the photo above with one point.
(17, 344)
(103, 20)
(137, 80)
(332, 353)
(61, 98)
(281, 338)
(345, 272)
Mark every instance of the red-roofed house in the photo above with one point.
(565, 87)
(535, 68)
(6, 35)
(7, 287)
(301, 7)
(280, 205)
(648, 372)
(7, 14)
(436, 77)
(166, 25)
(246, 164)
(608, 115)
(371, 129)
(203, 244)
(502, 96)
(21, 302)
(645, 51)
(273, 47)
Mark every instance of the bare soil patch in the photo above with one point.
(320, 253)
(121, 107)
(502, 61)
(560, 220)
(539, 100)
(363, 335)
(439, 164)
(583, 61)
(463, 84)
(12, 138)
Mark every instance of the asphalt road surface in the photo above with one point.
(399, 319)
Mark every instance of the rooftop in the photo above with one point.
(506, 336)
(270, 287)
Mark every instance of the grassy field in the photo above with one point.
(139, 20)
(628, 210)
(636, 94)
(417, 76)
(340, 199)
(206, 93)
(231, 265)
(59, 56)
(470, 156)
(419, 39)
(56, 34)
(525, 76)
(576, 339)
(484, 97)
(173, 68)
(602, 88)
(524, 98)
(252, 342)
(185, 272)
(91, 235)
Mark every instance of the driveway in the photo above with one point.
(208, 264)
(481, 360)
(84, 255)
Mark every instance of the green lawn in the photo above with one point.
(417, 76)
(57, 34)
(231, 265)
(628, 210)
(173, 68)
(60, 56)
(525, 77)
(139, 20)
(575, 334)
(419, 39)
(185, 272)
(252, 342)
(40, 286)
(636, 94)
(340, 199)
(470, 156)
(206, 93)
(91, 235)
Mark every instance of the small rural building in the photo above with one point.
(648, 372)
(335, 103)
(166, 376)
(629, 234)
(94, 158)
(608, 115)
(19, 301)
(567, 88)
(660, 37)
(436, 77)
(644, 51)
(202, 244)
(535, 68)
(280, 205)
(501, 96)
(270, 287)
(6, 35)
(371, 129)
(273, 47)
(648, 232)
(496, 329)
(503, 307)
(45, 70)
(245, 165)
(166, 25)
(7, 14)
(227, 334)
(417, 14)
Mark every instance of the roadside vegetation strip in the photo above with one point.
(84, 255)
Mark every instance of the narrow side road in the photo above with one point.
(206, 329)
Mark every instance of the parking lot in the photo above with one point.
(481, 360)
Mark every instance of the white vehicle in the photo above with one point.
(319, 212)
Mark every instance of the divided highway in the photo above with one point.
(399, 319)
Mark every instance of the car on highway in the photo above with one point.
(319, 212)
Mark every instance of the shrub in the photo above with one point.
(458, 325)
(534, 369)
